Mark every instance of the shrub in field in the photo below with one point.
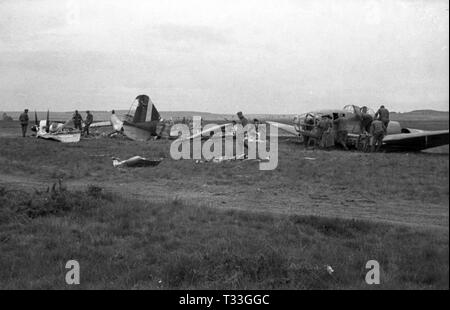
(55, 200)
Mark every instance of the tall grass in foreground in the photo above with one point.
(129, 244)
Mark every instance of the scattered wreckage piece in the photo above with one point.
(309, 158)
(240, 158)
(136, 161)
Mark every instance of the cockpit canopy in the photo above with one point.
(357, 110)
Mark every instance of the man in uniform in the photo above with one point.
(244, 122)
(77, 120)
(88, 122)
(383, 115)
(366, 120)
(24, 122)
(326, 137)
(243, 119)
(341, 130)
(377, 130)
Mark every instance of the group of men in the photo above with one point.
(77, 120)
(332, 130)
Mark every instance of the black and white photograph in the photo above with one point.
(225, 151)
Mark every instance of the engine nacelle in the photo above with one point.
(394, 128)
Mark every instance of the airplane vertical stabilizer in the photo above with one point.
(141, 111)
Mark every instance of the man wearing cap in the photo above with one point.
(243, 119)
(377, 131)
(244, 122)
(77, 120)
(366, 120)
(88, 122)
(325, 136)
(23, 118)
(383, 115)
(340, 125)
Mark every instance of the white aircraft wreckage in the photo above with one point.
(55, 131)
(397, 138)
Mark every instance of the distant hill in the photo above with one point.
(420, 115)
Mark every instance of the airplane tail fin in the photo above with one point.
(143, 112)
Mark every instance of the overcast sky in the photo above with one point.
(222, 56)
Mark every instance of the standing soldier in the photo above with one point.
(377, 135)
(234, 127)
(77, 120)
(383, 115)
(24, 122)
(341, 130)
(326, 137)
(88, 122)
(244, 122)
(366, 120)
(243, 119)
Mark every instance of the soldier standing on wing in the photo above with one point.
(383, 115)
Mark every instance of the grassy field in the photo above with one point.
(126, 244)
(219, 225)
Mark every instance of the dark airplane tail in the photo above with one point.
(141, 111)
(140, 116)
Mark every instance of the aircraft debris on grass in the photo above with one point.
(56, 131)
(136, 161)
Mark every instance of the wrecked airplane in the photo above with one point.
(143, 125)
(397, 138)
(55, 131)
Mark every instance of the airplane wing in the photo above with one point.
(415, 141)
(101, 124)
(285, 127)
(69, 124)
(114, 121)
(205, 132)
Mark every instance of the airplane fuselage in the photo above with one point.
(397, 138)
